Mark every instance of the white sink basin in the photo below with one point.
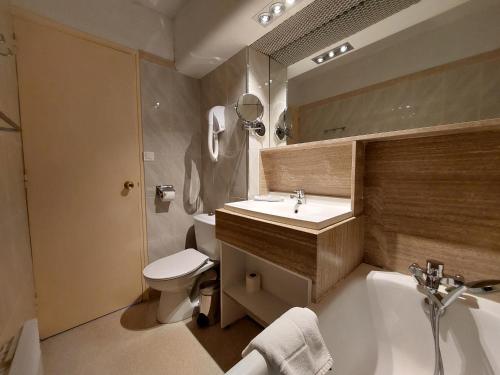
(316, 213)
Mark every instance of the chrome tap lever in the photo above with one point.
(452, 282)
(418, 274)
(452, 296)
(298, 194)
(434, 274)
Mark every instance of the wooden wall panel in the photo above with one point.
(319, 170)
(357, 178)
(435, 198)
(340, 250)
(267, 241)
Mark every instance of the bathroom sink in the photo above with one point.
(317, 212)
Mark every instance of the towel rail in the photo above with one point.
(14, 127)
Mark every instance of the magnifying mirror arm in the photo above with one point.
(252, 125)
(257, 126)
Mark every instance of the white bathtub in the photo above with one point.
(374, 324)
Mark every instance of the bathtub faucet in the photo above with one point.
(429, 279)
(433, 276)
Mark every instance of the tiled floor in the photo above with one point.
(130, 341)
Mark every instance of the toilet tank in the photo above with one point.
(204, 229)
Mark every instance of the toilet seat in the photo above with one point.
(176, 265)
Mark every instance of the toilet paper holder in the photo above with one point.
(161, 189)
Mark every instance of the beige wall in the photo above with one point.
(267, 80)
(226, 179)
(258, 84)
(236, 175)
(170, 122)
(17, 296)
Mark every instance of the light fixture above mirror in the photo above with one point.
(336, 52)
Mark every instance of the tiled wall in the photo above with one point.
(17, 295)
(175, 128)
(226, 179)
(171, 129)
(277, 100)
(458, 92)
(258, 84)
(267, 80)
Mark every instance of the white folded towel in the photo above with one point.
(293, 345)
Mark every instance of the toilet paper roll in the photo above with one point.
(167, 196)
(252, 282)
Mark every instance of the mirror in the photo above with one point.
(283, 129)
(249, 109)
(413, 77)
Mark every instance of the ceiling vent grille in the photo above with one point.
(323, 23)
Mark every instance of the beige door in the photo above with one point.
(81, 142)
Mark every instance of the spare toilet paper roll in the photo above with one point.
(167, 196)
(253, 282)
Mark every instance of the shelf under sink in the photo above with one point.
(261, 304)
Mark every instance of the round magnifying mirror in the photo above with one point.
(249, 108)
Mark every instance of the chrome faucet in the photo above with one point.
(429, 279)
(433, 276)
(300, 195)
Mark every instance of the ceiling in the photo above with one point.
(169, 8)
(323, 23)
(209, 32)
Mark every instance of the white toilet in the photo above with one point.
(175, 274)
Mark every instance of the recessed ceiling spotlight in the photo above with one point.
(265, 18)
(334, 53)
(277, 8)
(273, 10)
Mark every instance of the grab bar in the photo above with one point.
(9, 121)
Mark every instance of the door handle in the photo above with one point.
(129, 185)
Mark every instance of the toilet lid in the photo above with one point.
(176, 265)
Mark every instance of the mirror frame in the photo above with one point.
(257, 125)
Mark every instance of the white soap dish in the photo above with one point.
(268, 198)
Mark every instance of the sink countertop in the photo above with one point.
(317, 212)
